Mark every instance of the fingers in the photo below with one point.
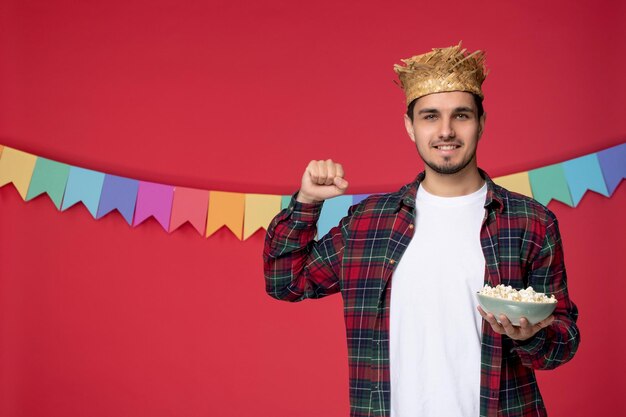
(325, 172)
(505, 327)
(322, 180)
(491, 319)
(339, 170)
(542, 324)
(509, 329)
(323, 169)
(522, 332)
(341, 183)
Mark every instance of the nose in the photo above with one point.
(446, 130)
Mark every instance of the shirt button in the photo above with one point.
(392, 261)
(411, 226)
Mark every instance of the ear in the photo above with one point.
(408, 124)
(481, 124)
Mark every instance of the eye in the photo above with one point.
(430, 117)
(462, 116)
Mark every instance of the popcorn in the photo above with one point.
(508, 293)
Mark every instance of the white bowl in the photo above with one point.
(515, 310)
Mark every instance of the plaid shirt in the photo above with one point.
(522, 247)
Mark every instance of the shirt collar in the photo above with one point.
(494, 193)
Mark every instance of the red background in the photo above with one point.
(100, 319)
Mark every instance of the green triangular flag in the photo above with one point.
(549, 183)
(49, 177)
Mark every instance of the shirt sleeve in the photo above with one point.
(557, 343)
(296, 266)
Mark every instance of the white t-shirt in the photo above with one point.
(435, 329)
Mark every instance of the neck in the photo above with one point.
(461, 183)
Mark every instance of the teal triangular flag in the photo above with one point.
(584, 174)
(549, 183)
(332, 212)
(83, 185)
(284, 201)
(48, 177)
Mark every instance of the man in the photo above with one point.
(408, 265)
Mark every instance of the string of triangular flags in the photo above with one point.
(245, 213)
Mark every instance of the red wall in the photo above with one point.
(100, 319)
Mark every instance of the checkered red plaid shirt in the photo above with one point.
(522, 247)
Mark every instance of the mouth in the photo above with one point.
(446, 149)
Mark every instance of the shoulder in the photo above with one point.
(379, 203)
(521, 206)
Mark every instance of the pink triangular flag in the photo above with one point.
(154, 200)
(190, 204)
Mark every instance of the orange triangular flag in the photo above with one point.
(225, 209)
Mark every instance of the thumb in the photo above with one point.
(341, 183)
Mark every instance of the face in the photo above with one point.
(446, 130)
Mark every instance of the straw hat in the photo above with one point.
(443, 69)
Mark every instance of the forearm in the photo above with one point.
(553, 345)
(557, 343)
(295, 265)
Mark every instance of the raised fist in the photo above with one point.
(322, 180)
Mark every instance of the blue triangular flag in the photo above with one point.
(83, 185)
(584, 174)
(332, 211)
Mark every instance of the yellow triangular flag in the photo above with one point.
(259, 211)
(518, 183)
(17, 167)
(225, 209)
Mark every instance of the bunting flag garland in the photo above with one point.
(49, 177)
(189, 205)
(245, 213)
(549, 183)
(520, 183)
(284, 201)
(225, 209)
(259, 211)
(16, 167)
(613, 164)
(118, 193)
(83, 185)
(154, 200)
(357, 198)
(584, 174)
(333, 210)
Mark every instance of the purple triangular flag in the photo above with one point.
(154, 200)
(613, 164)
(118, 193)
(357, 198)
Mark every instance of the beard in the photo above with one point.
(445, 168)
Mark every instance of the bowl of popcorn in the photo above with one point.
(515, 304)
